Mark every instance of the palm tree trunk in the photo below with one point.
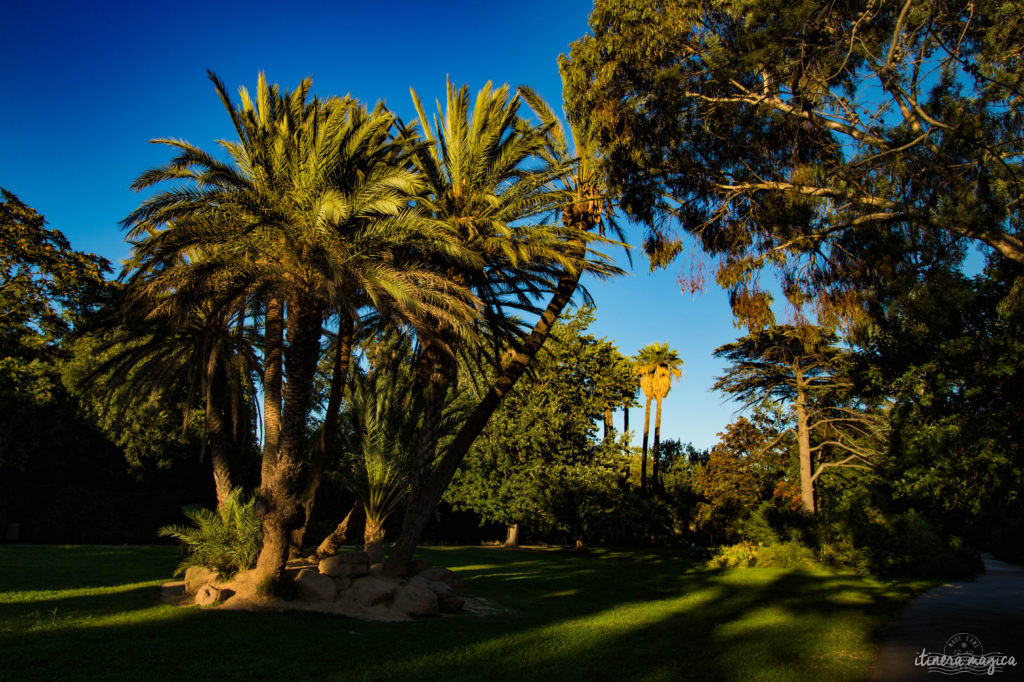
(337, 537)
(273, 349)
(643, 454)
(432, 381)
(657, 444)
(373, 531)
(608, 426)
(423, 499)
(625, 418)
(329, 430)
(218, 444)
(279, 493)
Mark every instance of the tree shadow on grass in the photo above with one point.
(599, 616)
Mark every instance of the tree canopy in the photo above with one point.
(821, 140)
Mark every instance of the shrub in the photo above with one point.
(908, 544)
(786, 555)
(739, 555)
(773, 523)
(776, 555)
(226, 541)
(841, 553)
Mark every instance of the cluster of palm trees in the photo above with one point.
(656, 366)
(328, 221)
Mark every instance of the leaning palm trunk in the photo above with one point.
(329, 430)
(425, 496)
(280, 491)
(338, 536)
(432, 379)
(218, 447)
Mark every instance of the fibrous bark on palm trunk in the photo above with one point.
(279, 492)
(329, 430)
(338, 536)
(643, 454)
(273, 352)
(219, 445)
(423, 498)
(655, 453)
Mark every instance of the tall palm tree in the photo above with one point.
(314, 211)
(484, 183)
(656, 366)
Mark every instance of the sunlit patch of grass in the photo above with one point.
(648, 614)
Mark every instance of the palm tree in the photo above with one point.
(386, 417)
(314, 212)
(481, 184)
(187, 342)
(656, 366)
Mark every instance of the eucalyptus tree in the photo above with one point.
(806, 137)
(484, 181)
(801, 366)
(313, 213)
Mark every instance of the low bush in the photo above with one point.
(225, 540)
(740, 555)
(776, 555)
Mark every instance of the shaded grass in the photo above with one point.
(94, 612)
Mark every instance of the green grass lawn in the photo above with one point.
(95, 612)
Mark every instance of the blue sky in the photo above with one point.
(88, 84)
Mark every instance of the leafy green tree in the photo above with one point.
(540, 462)
(746, 468)
(47, 289)
(949, 352)
(802, 368)
(806, 136)
(153, 429)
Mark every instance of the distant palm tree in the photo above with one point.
(656, 367)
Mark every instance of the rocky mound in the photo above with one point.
(349, 583)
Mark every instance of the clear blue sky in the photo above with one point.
(88, 84)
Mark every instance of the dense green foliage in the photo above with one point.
(809, 138)
(950, 349)
(541, 461)
(226, 540)
(64, 476)
(95, 613)
(46, 290)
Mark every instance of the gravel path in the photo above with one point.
(989, 610)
